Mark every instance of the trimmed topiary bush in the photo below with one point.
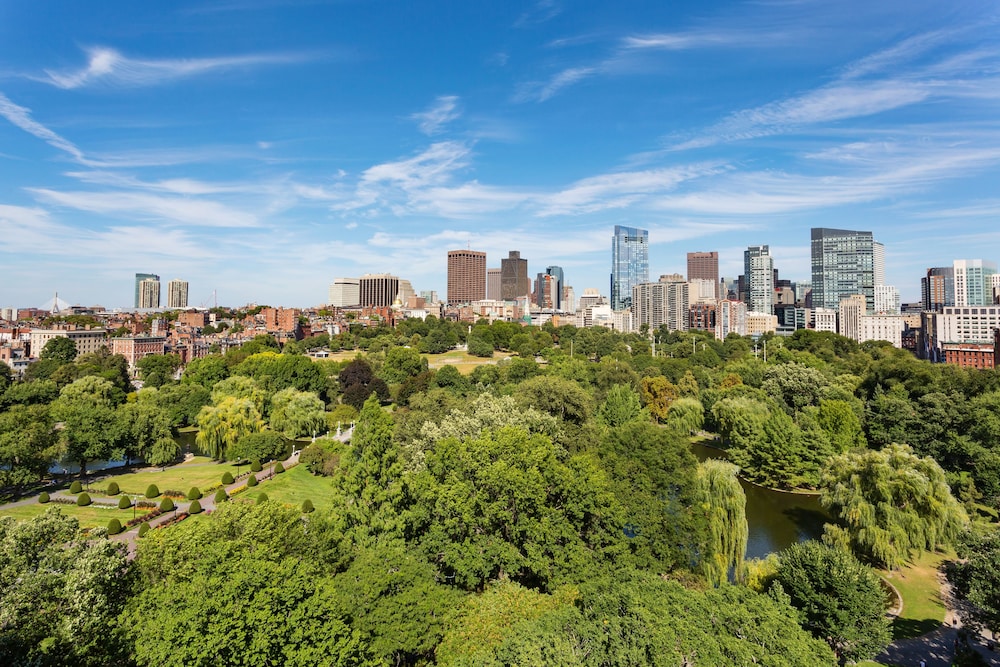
(114, 527)
(152, 491)
(83, 500)
(166, 505)
(307, 506)
(194, 493)
(124, 503)
(227, 477)
(221, 496)
(143, 528)
(262, 498)
(43, 497)
(252, 480)
(194, 507)
(75, 487)
(255, 466)
(278, 468)
(113, 489)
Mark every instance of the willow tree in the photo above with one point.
(221, 426)
(888, 504)
(723, 502)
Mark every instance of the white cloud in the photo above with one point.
(443, 111)
(21, 117)
(106, 66)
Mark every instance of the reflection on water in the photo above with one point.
(776, 520)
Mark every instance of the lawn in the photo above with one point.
(200, 471)
(89, 517)
(294, 486)
(464, 362)
(920, 587)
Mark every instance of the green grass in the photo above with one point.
(918, 584)
(89, 517)
(294, 486)
(201, 471)
(464, 362)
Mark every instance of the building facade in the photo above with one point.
(758, 271)
(87, 340)
(937, 288)
(629, 264)
(514, 281)
(134, 348)
(177, 293)
(377, 290)
(344, 293)
(849, 313)
(493, 290)
(886, 300)
(704, 266)
(843, 264)
(139, 277)
(149, 294)
(974, 282)
(466, 276)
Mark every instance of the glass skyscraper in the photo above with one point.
(843, 263)
(629, 264)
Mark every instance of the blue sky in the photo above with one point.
(261, 148)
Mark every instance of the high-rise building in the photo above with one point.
(377, 290)
(568, 299)
(661, 303)
(758, 269)
(843, 264)
(514, 281)
(139, 277)
(493, 291)
(629, 264)
(466, 276)
(974, 282)
(557, 273)
(886, 300)
(704, 266)
(878, 262)
(149, 293)
(177, 293)
(547, 291)
(344, 293)
(850, 310)
(937, 288)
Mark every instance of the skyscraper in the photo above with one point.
(843, 264)
(493, 291)
(704, 266)
(937, 288)
(974, 282)
(149, 293)
(514, 281)
(377, 290)
(629, 264)
(177, 293)
(758, 268)
(466, 276)
(557, 273)
(139, 277)
(344, 293)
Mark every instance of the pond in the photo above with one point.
(776, 520)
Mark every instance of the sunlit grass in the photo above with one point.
(90, 516)
(294, 486)
(200, 471)
(920, 587)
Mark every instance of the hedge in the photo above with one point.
(307, 506)
(255, 466)
(278, 468)
(113, 489)
(166, 505)
(75, 487)
(195, 507)
(83, 500)
(194, 493)
(227, 477)
(114, 527)
(221, 496)
(124, 503)
(262, 498)
(152, 491)
(252, 480)
(143, 528)
(43, 497)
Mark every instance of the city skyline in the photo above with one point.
(293, 143)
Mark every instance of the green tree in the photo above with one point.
(61, 349)
(145, 430)
(242, 387)
(297, 414)
(840, 600)
(274, 372)
(28, 444)
(563, 399)
(686, 414)
(261, 446)
(621, 405)
(722, 502)
(889, 504)
(977, 578)
(841, 424)
(794, 385)
(221, 426)
(90, 423)
(402, 363)
(480, 341)
(158, 369)
(206, 371)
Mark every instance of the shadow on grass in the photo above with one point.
(907, 628)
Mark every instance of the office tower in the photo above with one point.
(843, 264)
(514, 281)
(344, 293)
(149, 293)
(557, 272)
(429, 296)
(974, 282)
(886, 300)
(850, 311)
(377, 290)
(177, 293)
(704, 266)
(758, 269)
(405, 293)
(661, 303)
(139, 277)
(466, 276)
(937, 288)
(629, 264)
(493, 292)
(546, 291)
(878, 262)
(568, 299)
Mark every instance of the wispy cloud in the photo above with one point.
(540, 12)
(443, 111)
(108, 67)
(21, 117)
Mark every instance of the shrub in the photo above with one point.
(114, 527)
(82, 500)
(221, 496)
(262, 498)
(194, 493)
(307, 506)
(227, 477)
(124, 503)
(166, 505)
(195, 507)
(113, 490)
(143, 528)
(252, 480)
(278, 468)
(75, 487)
(43, 497)
(152, 491)
(255, 466)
